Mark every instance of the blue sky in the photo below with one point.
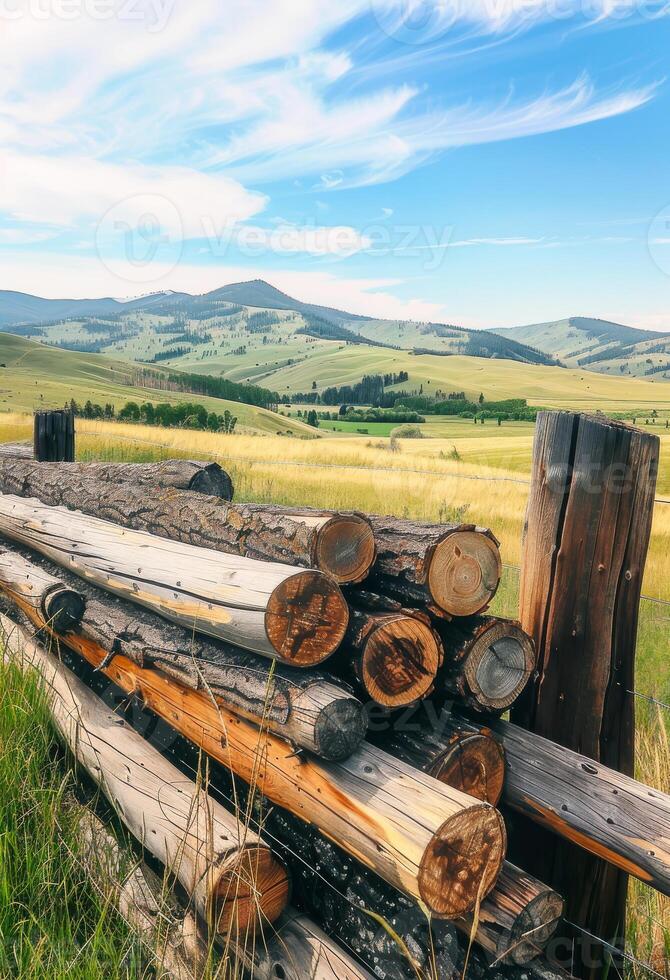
(485, 162)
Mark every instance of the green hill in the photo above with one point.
(36, 376)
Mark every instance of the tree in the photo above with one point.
(313, 419)
(343, 409)
(481, 397)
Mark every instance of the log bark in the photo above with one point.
(17, 450)
(586, 535)
(487, 662)
(59, 605)
(393, 658)
(446, 849)
(235, 881)
(342, 545)
(177, 474)
(53, 436)
(172, 940)
(452, 568)
(433, 741)
(298, 616)
(311, 709)
(299, 950)
(598, 809)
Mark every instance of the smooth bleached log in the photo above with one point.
(434, 742)
(235, 881)
(392, 657)
(297, 616)
(606, 813)
(311, 709)
(487, 661)
(446, 849)
(299, 950)
(451, 568)
(342, 545)
(55, 603)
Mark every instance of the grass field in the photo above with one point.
(477, 474)
(34, 376)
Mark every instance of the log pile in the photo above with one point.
(345, 679)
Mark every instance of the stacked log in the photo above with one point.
(178, 474)
(298, 616)
(235, 881)
(341, 545)
(53, 435)
(313, 710)
(16, 450)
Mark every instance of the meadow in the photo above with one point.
(477, 474)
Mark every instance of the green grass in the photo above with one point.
(53, 924)
(35, 376)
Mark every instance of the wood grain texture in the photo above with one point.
(393, 658)
(585, 543)
(298, 616)
(446, 850)
(59, 604)
(487, 661)
(235, 881)
(178, 474)
(341, 544)
(452, 568)
(17, 450)
(311, 709)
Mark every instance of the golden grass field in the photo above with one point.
(480, 477)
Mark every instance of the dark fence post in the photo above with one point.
(53, 438)
(585, 543)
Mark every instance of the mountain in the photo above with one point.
(599, 345)
(23, 309)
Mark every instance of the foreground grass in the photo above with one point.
(52, 922)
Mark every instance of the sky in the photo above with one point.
(478, 162)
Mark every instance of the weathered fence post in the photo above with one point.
(53, 436)
(586, 535)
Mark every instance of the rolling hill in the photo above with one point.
(600, 345)
(36, 376)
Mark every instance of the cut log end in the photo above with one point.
(306, 618)
(463, 861)
(534, 927)
(340, 729)
(213, 481)
(400, 662)
(63, 609)
(464, 572)
(250, 893)
(345, 548)
(499, 665)
(474, 764)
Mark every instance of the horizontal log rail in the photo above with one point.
(342, 545)
(446, 848)
(179, 474)
(60, 605)
(311, 709)
(298, 616)
(236, 882)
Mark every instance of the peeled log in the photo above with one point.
(235, 881)
(452, 568)
(180, 474)
(611, 815)
(470, 761)
(487, 661)
(393, 657)
(446, 849)
(299, 950)
(298, 616)
(308, 708)
(340, 544)
(57, 604)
